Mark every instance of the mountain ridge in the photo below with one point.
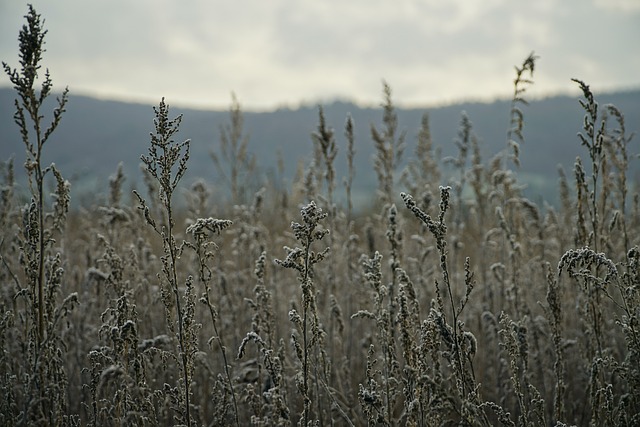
(95, 135)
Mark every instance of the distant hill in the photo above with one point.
(95, 135)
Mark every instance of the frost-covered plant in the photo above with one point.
(302, 260)
(42, 258)
(167, 164)
(204, 248)
(593, 139)
(35, 132)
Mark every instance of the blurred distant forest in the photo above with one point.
(97, 135)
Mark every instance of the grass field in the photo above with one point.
(448, 301)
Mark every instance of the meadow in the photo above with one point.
(450, 300)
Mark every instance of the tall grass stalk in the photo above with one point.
(164, 156)
(29, 115)
(303, 260)
(41, 259)
(389, 143)
(201, 230)
(593, 139)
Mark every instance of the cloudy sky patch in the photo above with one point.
(283, 52)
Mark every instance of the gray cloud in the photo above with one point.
(285, 51)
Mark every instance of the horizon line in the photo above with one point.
(305, 104)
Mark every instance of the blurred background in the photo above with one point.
(282, 58)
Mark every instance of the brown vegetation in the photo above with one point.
(464, 304)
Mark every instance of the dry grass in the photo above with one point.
(456, 302)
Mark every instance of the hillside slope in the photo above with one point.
(95, 135)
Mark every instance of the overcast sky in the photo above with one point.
(274, 53)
